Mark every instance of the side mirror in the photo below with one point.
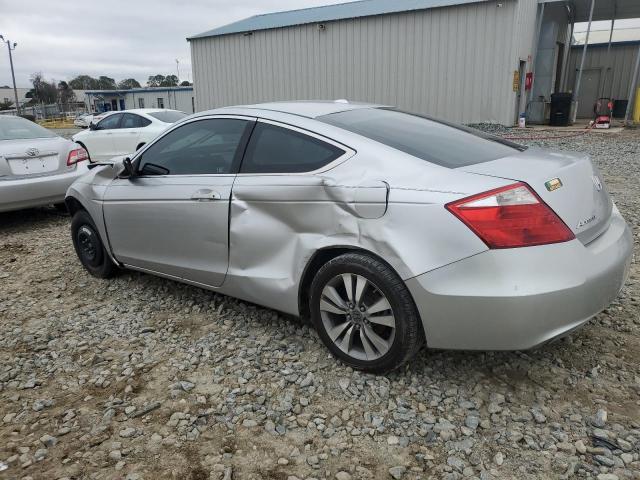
(128, 171)
(93, 126)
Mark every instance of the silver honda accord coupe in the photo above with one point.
(389, 230)
(36, 165)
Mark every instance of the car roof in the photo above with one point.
(303, 108)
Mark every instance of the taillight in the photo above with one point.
(76, 156)
(511, 216)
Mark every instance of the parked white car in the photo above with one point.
(84, 120)
(124, 132)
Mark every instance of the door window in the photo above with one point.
(203, 147)
(111, 122)
(160, 102)
(130, 120)
(140, 102)
(274, 149)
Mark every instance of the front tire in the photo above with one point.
(364, 313)
(89, 247)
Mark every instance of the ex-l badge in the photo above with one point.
(553, 184)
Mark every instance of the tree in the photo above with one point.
(66, 95)
(106, 83)
(170, 81)
(128, 83)
(155, 80)
(42, 91)
(6, 105)
(84, 82)
(162, 81)
(184, 83)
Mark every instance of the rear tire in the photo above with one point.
(89, 247)
(364, 313)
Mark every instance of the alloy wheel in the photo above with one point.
(357, 316)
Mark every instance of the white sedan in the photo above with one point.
(85, 119)
(124, 132)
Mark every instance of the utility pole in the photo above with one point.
(178, 68)
(13, 75)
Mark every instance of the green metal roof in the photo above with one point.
(362, 8)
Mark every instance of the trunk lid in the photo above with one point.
(580, 200)
(33, 157)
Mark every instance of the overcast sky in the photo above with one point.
(118, 38)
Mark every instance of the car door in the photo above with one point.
(99, 142)
(172, 217)
(127, 137)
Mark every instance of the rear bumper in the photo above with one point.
(515, 299)
(37, 191)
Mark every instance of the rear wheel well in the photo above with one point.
(73, 205)
(318, 259)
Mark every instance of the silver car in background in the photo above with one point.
(388, 229)
(36, 165)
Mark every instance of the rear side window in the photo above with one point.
(274, 149)
(169, 116)
(131, 120)
(437, 142)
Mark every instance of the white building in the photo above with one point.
(461, 60)
(176, 98)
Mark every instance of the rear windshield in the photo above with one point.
(170, 116)
(438, 142)
(16, 128)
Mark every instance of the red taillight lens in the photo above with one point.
(510, 217)
(76, 156)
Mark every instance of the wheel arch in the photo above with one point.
(73, 205)
(324, 255)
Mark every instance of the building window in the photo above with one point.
(160, 102)
(140, 102)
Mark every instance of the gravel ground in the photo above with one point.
(140, 377)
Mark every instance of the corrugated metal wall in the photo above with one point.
(455, 63)
(623, 57)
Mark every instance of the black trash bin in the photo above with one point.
(620, 108)
(560, 109)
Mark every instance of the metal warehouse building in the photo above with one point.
(461, 60)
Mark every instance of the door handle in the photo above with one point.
(205, 195)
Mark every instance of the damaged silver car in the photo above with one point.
(389, 230)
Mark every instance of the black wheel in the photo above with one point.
(364, 313)
(89, 247)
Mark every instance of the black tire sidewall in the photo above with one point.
(103, 266)
(401, 303)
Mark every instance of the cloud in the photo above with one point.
(119, 38)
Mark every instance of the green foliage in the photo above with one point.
(162, 81)
(6, 105)
(128, 83)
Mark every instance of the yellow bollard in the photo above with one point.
(636, 108)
